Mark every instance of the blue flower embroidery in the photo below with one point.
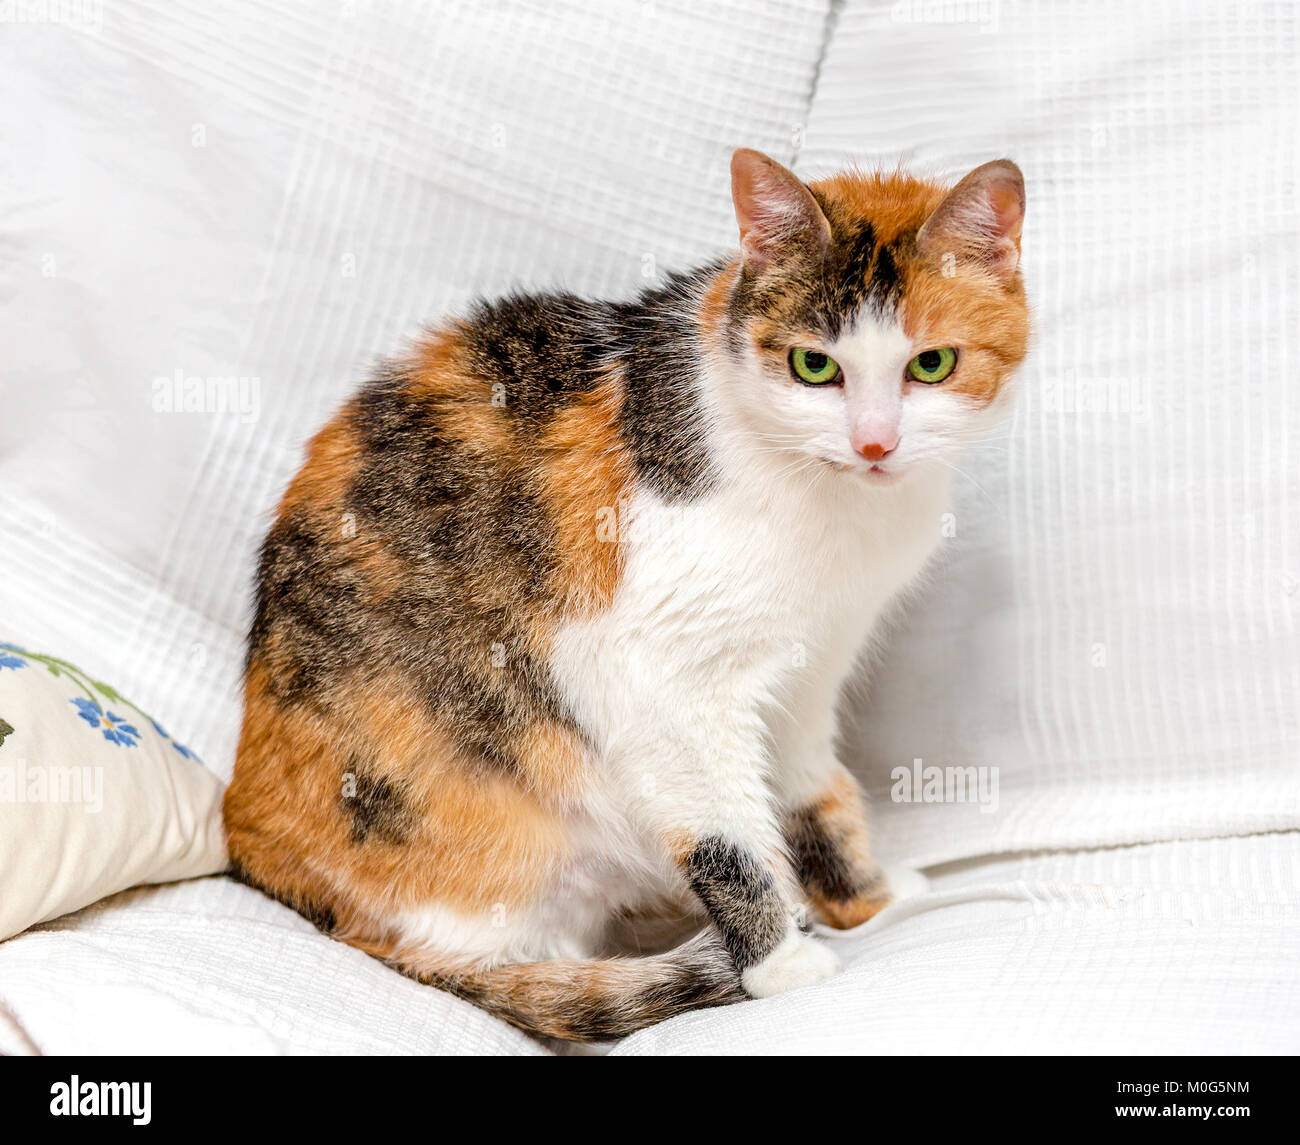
(116, 730)
(180, 747)
(8, 660)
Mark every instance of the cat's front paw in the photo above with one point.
(798, 961)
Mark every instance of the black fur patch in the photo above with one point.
(434, 500)
(307, 596)
(824, 293)
(541, 349)
(375, 808)
(859, 272)
(740, 895)
(658, 343)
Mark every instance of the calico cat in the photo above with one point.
(551, 626)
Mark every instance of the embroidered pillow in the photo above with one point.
(95, 796)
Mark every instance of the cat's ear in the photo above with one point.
(980, 220)
(776, 212)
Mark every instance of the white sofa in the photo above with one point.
(280, 193)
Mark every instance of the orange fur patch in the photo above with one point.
(989, 325)
(437, 367)
(333, 456)
(717, 298)
(895, 204)
(554, 759)
(586, 469)
(474, 839)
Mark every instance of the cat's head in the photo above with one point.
(876, 318)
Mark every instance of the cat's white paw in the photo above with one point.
(905, 883)
(798, 961)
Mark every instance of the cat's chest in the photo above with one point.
(788, 554)
(731, 576)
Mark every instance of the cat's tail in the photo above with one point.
(596, 1000)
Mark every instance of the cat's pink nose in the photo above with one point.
(878, 450)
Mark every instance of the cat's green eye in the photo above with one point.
(932, 366)
(814, 368)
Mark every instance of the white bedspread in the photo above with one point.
(281, 192)
(1172, 948)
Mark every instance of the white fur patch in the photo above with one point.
(799, 961)
(906, 883)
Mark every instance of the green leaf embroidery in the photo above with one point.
(111, 694)
(6, 729)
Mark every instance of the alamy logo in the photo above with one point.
(77, 1098)
(35, 783)
(180, 393)
(922, 784)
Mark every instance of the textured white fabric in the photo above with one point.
(1170, 948)
(1182, 947)
(211, 967)
(283, 191)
